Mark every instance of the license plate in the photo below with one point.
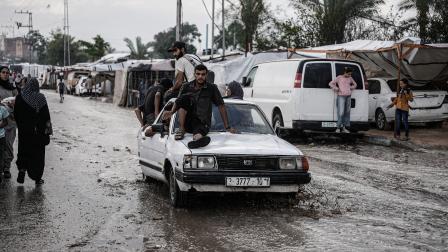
(329, 125)
(248, 182)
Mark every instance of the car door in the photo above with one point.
(154, 147)
(248, 88)
(374, 97)
(317, 99)
(360, 97)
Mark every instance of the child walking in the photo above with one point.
(401, 104)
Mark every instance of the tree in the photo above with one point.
(252, 13)
(332, 16)
(139, 50)
(431, 20)
(234, 35)
(39, 44)
(55, 51)
(97, 49)
(164, 39)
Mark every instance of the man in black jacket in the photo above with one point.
(194, 107)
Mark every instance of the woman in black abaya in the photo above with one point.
(34, 126)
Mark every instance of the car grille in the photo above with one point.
(247, 163)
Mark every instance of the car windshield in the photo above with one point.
(245, 118)
(428, 87)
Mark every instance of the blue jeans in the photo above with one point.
(401, 116)
(343, 105)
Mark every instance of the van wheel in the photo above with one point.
(277, 121)
(177, 197)
(380, 120)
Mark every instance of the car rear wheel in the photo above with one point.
(277, 121)
(177, 197)
(380, 120)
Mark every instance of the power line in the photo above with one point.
(209, 15)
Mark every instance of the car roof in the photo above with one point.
(228, 101)
(310, 59)
(383, 78)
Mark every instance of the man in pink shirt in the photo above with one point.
(343, 86)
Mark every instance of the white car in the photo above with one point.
(253, 160)
(429, 106)
(80, 88)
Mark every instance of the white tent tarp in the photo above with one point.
(420, 63)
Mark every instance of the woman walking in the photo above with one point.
(34, 128)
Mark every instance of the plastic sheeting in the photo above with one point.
(235, 69)
(420, 63)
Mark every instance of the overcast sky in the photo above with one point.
(112, 19)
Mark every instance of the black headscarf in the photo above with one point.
(166, 84)
(236, 91)
(5, 83)
(31, 95)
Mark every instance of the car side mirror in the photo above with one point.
(246, 81)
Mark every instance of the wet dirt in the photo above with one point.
(362, 197)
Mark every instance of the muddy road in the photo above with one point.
(361, 198)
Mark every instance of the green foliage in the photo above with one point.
(97, 49)
(332, 16)
(164, 39)
(55, 50)
(139, 50)
(40, 44)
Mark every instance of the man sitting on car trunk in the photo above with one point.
(194, 106)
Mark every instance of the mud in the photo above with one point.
(362, 197)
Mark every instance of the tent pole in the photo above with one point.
(400, 55)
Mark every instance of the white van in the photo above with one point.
(295, 94)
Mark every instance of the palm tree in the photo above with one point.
(333, 15)
(140, 50)
(423, 19)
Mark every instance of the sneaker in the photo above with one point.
(338, 130)
(201, 142)
(40, 182)
(405, 138)
(21, 177)
(345, 130)
(6, 174)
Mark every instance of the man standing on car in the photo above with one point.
(194, 107)
(184, 68)
(343, 86)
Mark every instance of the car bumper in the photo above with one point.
(423, 115)
(281, 182)
(317, 125)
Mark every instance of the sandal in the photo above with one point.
(179, 135)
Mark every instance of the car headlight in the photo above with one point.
(199, 162)
(288, 163)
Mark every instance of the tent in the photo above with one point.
(408, 58)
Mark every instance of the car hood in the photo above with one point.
(246, 144)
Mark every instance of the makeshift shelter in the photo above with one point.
(235, 69)
(407, 58)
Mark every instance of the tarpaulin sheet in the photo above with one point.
(420, 63)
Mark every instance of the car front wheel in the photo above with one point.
(177, 197)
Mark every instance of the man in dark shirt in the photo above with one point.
(194, 106)
(149, 110)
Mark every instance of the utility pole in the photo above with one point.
(213, 27)
(206, 39)
(223, 33)
(30, 29)
(66, 35)
(178, 19)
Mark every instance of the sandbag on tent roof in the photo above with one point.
(421, 63)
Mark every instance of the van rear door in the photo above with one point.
(317, 98)
(360, 96)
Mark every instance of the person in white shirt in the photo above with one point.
(184, 67)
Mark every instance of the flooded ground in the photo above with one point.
(362, 198)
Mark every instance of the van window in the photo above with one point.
(317, 75)
(374, 87)
(251, 76)
(356, 75)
